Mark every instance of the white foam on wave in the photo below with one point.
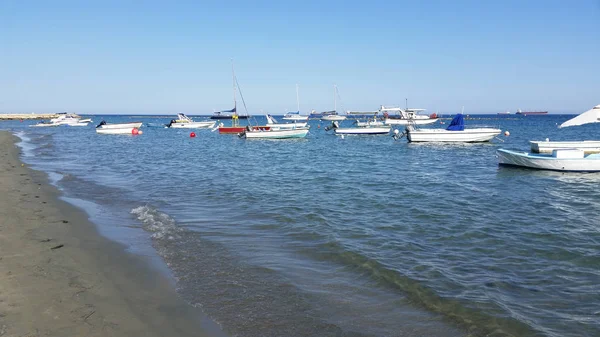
(25, 144)
(161, 224)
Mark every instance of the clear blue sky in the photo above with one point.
(169, 56)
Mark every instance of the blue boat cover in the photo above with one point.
(457, 124)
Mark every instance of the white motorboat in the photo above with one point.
(66, 119)
(274, 133)
(274, 124)
(547, 146)
(566, 160)
(588, 146)
(455, 132)
(406, 116)
(184, 122)
(359, 130)
(568, 156)
(332, 116)
(119, 128)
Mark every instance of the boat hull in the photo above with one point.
(446, 136)
(566, 160)
(588, 146)
(333, 118)
(276, 134)
(136, 125)
(227, 117)
(379, 130)
(115, 131)
(240, 129)
(193, 125)
(401, 121)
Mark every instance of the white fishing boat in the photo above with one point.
(547, 146)
(588, 146)
(333, 115)
(274, 124)
(250, 132)
(399, 116)
(566, 160)
(455, 133)
(359, 130)
(118, 128)
(568, 156)
(185, 122)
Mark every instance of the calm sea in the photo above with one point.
(354, 236)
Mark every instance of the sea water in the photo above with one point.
(353, 236)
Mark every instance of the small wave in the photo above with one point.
(161, 224)
(475, 320)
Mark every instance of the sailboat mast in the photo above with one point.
(233, 80)
(334, 98)
(297, 99)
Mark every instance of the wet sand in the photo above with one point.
(59, 277)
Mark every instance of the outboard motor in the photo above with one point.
(334, 125)
(101, 123)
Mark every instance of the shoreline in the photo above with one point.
(60, 277)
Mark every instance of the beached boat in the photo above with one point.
(455, 132)
(184, 122)
(118, 128)
(566, 160)
(274, 124)
(399, 116)
(250, 132)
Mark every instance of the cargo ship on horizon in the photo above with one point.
(519, 112)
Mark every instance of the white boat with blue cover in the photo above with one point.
(565, 160)
(456, 132)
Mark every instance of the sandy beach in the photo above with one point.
(59, 277)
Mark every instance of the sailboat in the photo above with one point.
(570, 156)
(333, 115)
(295, 115)
(235, 127)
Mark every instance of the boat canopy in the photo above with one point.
(457, 123)
(590, 116)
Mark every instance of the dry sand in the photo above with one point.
(59, 277)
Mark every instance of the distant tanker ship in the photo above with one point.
(519, 112)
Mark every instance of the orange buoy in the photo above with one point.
(192, 134)
(140, 132)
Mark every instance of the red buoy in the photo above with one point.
(192, 134)
(134, 131)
